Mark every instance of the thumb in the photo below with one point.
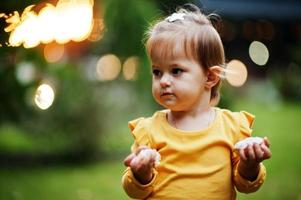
(129, 159)
(266, 141)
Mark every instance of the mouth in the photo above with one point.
(167, 94)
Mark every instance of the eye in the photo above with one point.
(156, 72)
(177, 71)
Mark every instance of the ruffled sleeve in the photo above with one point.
(130, 184)
(246, 186)
(140, 133)
(246, 121)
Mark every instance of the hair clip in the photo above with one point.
(175, 17)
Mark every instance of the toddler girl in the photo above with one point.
(194, 138)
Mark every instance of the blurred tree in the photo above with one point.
(73, 124)
(11, 92)
(126, 23)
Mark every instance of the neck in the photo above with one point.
(198, 117)
(202, 106)
(190, 113)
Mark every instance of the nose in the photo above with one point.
(165, 80)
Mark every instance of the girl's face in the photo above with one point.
(178, 84)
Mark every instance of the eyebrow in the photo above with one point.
(178, 63)
(172, 64)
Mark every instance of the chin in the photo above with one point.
(176, 109)
(166, 104)
(171, 106)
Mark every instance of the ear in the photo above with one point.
(213, 76)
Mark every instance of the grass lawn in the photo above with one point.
(98, 181)
(282, 125)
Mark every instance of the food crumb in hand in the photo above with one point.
(248, 141)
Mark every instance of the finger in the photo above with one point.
(266, 141)
(129, 159)
(267, 152)
(135, 163)
(140, 170)
(242, 154)
(141, 165)
(258, 152)
(250, 152)
(147, 157)
(144, 157)
(153, 159)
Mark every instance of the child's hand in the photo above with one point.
(141, 164)
(256, 153)
(251, 157)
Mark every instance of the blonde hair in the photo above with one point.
(195, 34)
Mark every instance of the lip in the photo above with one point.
(167, 94)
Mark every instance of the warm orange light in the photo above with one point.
(130, 68)
(97, 30)
(236, 73)
(68, 20)
(53, 52)
(47, 23)
(108, 67)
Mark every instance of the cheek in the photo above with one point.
(187, 86)
(189, 91)
(155, 89)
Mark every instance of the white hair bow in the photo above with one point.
(175, 17)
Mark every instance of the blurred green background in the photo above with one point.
(74, 149)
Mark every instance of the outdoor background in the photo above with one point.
(74, 149)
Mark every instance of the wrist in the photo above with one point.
(249, 171)
(143, 179)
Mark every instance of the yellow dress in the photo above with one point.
(194, 164)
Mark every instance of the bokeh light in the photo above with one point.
(69, 15)
(236, 73)
(25, 72)
(59, 23)
(97, 30)
(47, 23)
(44, 96)
(108, 67)
(259, 53)
(53, 52)
(130, 68)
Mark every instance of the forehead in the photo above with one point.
(169, 47)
